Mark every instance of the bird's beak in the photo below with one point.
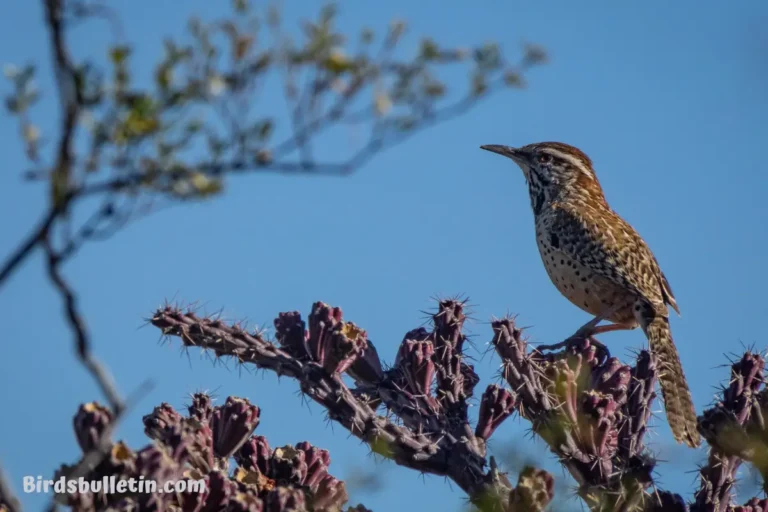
(508, 151)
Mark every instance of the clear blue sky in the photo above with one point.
(669, 99)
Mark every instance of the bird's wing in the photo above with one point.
(606, 244)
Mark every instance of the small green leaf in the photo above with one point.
(240, 6)
(118, 54)
(513, 79)
(366, 36)
(429, 49)
(205, 186)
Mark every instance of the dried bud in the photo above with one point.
(535, 489)
(161, 421)
(288, 465)
(254, 455)
(346, 344)
(496, 405)
(253, 482)
(333, 343)
(367, 367)
(291, 333)
(90, 423)
(233, 423)
(120, 461)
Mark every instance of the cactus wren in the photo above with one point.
(600, 263)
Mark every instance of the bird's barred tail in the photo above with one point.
(681, 414)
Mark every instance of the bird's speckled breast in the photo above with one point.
(583, 287)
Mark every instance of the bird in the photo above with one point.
(600, 263)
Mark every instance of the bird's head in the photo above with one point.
(553, 170)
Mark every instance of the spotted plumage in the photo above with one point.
(600, 263)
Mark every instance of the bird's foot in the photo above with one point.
(578, 338)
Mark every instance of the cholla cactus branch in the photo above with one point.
(427, 388)
(735, 430)
(287, 479)
(591, 410)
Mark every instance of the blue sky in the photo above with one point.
(669, 100)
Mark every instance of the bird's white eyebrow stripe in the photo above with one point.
(576, 162)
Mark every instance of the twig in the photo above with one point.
(26, 247)
(8, 499)
(82, 342)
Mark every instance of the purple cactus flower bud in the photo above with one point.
(90, 423)
(288, 465)
(330, 494)
(193, 501)
(291, 334)
(322, 322)
(255, 455)
(220, 491)
(317, 461)
(232, 424)
(201, 407)
(448, 322)
(496, 405)
(160, 421)
(286, 499)
(416, 365)
(345, 345)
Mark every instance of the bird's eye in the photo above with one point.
(544, 158)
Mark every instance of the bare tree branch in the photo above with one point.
(8, 499)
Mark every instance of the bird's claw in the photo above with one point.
(578, 337)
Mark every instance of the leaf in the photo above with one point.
(337, 62)
(216, 85)
(205, 186)
(535, 54)
(164, 76)
(366, 36)
(240, 6)
(513, 79)
(429, 49)
(382, 103)
(263, 129)
(10, 71)
(118, 54)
